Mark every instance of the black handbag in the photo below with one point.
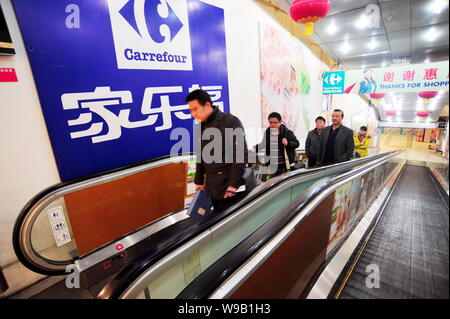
(249, 178)
(297, 166)
(294, 166)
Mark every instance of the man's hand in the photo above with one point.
(230, 192)
(284, 141)
(197, 187)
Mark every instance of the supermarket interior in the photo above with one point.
(212, 149)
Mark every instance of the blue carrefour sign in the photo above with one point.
(334, 82)
(112, 75)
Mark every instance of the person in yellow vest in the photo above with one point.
(362, 142)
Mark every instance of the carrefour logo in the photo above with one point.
(334, 82)
(151, 34)
(333, 79)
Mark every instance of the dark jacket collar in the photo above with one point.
(317, 131)
(216, 114)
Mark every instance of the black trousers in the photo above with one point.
(280, 170)
(312, 162)
(222, 205)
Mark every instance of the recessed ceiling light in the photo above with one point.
(363, 22)
(432, 35)
(438, 6)
(345, 48)
(372, 44)
(332, 29)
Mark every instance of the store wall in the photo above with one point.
(27, 165)
(243, 19)
(355, 108)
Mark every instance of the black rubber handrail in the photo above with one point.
(38, 197)
(176, 235)
(208, 281)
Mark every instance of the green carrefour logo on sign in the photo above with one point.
(334, 82)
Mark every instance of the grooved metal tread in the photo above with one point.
(409, 245)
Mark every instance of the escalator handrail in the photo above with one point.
(207, 282)
(21, 237)
(137, 267)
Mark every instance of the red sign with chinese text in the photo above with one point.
(8, 75)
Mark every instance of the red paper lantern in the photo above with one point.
(377, 96)
(427, 95)
(308, 12)
(391, 113)
(423, 113)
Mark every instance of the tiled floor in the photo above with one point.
(413, 151)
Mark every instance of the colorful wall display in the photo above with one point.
(352, 200)
(409, 78)
(340, 214)
(285, 82)
(112, 75)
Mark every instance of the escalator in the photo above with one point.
(250, 253)
(409, 246)
(167, 256)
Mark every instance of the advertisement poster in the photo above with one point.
(285, 82)
(340, 213)
(6, 44)
(409, 78)
(113, 77)
(420, 135)
(364, 191)
(355, 191)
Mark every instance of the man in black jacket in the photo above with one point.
(222, 153)
(337, 144)
(312, 144)
(278, 141)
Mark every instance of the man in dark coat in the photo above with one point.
(312, 144)
(278, 140)
(222, 156)
(337, 142)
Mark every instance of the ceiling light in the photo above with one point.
(427, 60)
(332, 29)
(383, 64)
(372, 44)
(432, 35)
(438, 6)
(363, 22)
(345, 48)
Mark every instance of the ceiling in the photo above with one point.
(413, 31)
(407, 105)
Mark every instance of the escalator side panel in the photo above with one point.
(298, 258)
